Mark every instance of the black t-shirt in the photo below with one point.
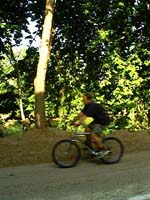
(98, 112)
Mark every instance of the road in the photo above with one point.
(128, 180)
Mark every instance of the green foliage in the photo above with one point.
(125, 101)
(15, 16)
(8, 93)
(103, 52)
(26, 62)
(10, 128)
(101, 47)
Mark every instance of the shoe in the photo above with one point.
(102, 153)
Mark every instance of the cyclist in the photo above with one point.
(100, 119)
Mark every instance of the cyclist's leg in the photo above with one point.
(97, 139)
(96, 136)
(88, 137)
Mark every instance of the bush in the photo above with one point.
(10, 128)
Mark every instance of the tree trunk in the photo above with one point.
(20, 95)
(39, 82)
(20, 102)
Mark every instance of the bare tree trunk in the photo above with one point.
(39, 82)
(20, 95)
(20, 102)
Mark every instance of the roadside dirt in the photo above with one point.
(35, 146)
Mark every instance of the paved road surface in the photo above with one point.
(128, 180)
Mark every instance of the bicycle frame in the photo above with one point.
(76, 136)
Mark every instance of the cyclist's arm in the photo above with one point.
(81, 117)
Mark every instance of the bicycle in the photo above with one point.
(67, 153)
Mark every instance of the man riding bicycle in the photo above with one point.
(100, 119)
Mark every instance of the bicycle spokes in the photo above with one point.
(66, 153)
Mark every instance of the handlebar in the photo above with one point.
(76, 124)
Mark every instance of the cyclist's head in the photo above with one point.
(87, 98)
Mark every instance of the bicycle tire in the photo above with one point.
(70, 144)
(108, 159)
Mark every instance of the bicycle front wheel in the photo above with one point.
(66, 153)
(115, 148)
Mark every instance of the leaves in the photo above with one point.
(100, 47)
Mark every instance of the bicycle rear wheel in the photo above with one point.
(115, 148)
(66, 153)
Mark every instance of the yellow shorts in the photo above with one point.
(88, 121)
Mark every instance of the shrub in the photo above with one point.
(10, 128)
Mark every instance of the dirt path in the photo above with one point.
(35, 146)
(127, 180)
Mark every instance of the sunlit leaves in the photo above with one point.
(100, 47)
(103, 35)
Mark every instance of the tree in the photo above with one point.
(39, 83)
(15, 17)
(99, 46)
(15, 64)
(92, 33)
